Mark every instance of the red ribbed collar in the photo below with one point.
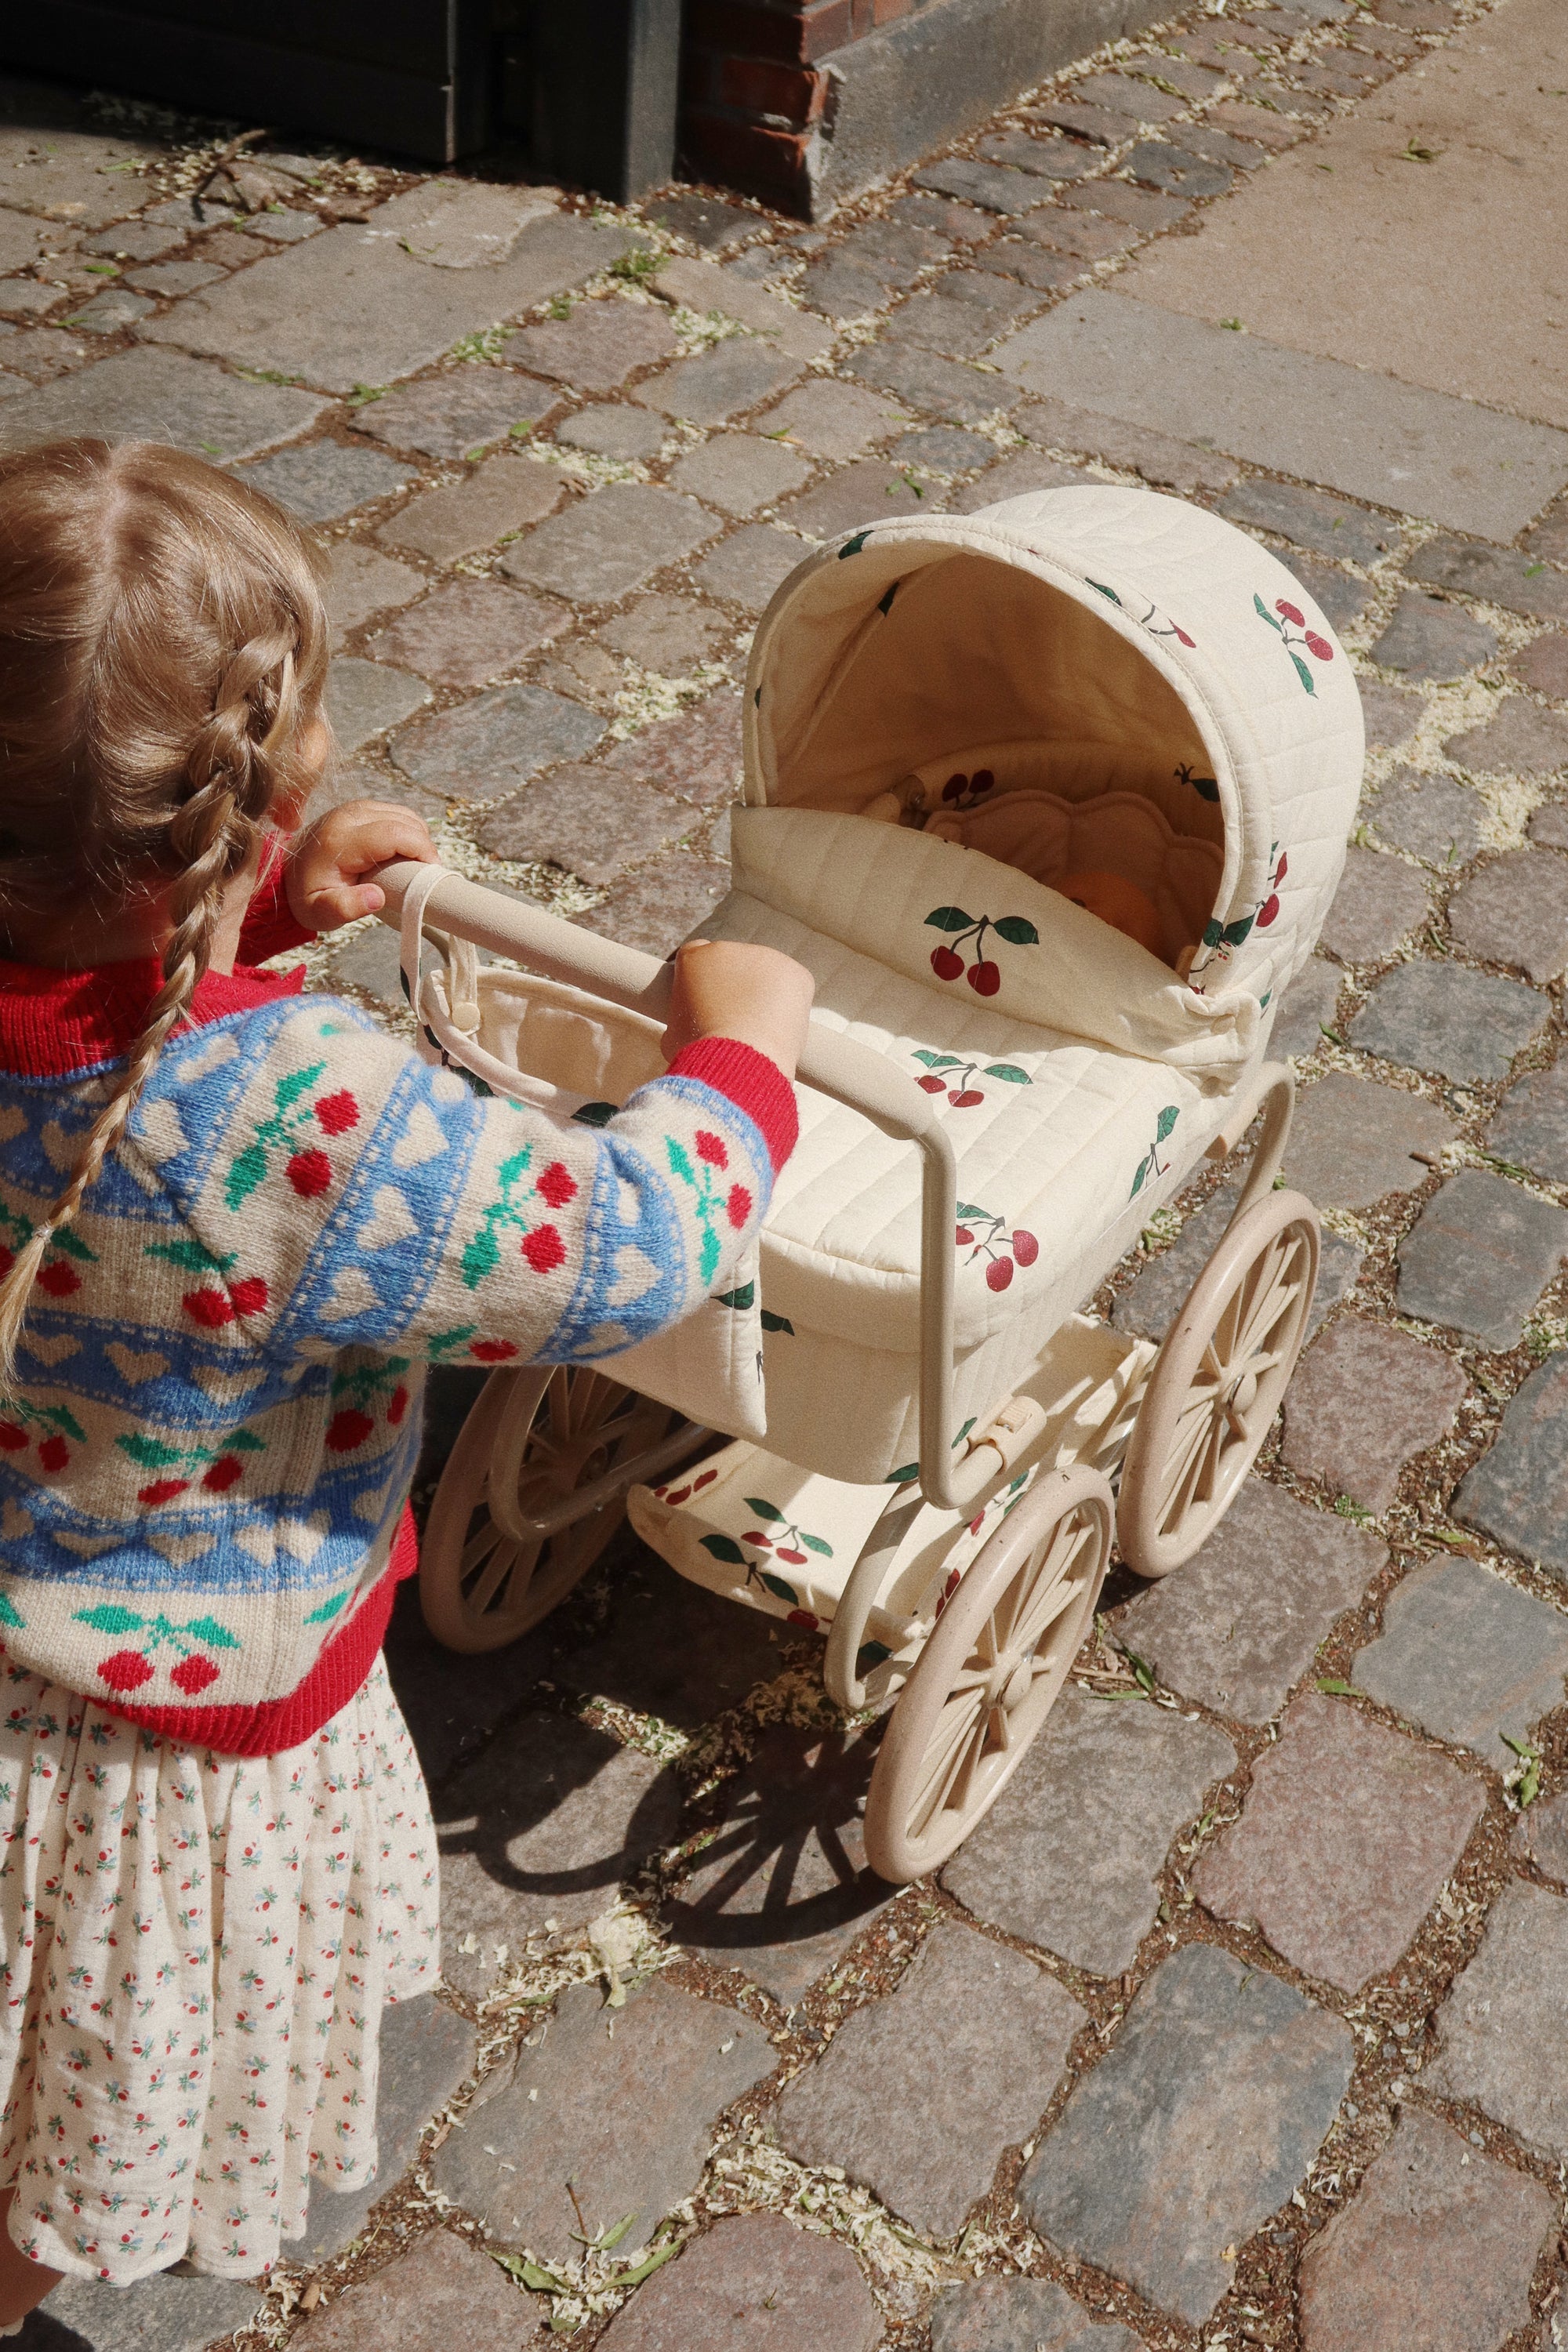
(54, 1022)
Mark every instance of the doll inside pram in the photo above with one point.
(913, 1361)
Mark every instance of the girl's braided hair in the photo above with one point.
(163, 654)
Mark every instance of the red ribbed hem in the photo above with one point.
(752, 1082)
(333, 1681)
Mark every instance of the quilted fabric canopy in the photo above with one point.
(1092, 616)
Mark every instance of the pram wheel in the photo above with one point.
(1217, 1383)
(988, 1674)
(535, 1437)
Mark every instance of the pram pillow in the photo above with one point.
(952, 918)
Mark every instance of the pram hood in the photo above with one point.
(1091, 616)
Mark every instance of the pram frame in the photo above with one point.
(1053, 1549)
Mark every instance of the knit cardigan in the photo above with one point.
(204, 1470)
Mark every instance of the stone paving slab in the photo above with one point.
(588, 822)
(932, 385)
(479, 749)
(1530, 1127)
(1068, 1856)
(1364, 435)
(627, 2103)
(1353, 1142)
(1466, 1656)
(1020, 2315)
(668, 634)
(440, 2293)
(605, 545)
(363, 582)
(365, 698)
(323, 480)
(917, 2095)
(1391, 714)
(1465, 1025)
(1306, 1009)
(1541, 1836)
(704, 287)
(1349, 1832)
(749, 565)
(1521, 739)
(450, 1702)
(1549, 825)
(463, 408)
(597, 348)
(147, 395)
(543, 1827)
(720, 383)
(740, 472)
(503, 495)
(158, 2315)
(672, 1650)
(1543, 664)
(1518, 1491)
(468, 632)
(1427, 639)
(829, 419)
(1440, 2246)
(352, 307)
(1479, 1255)
(867, 492)
(1500, 2029)
(784, 1889)
(1512, 577)
(1013, 479)
(1363, 1400)
(1435, 818)
(1242, 1622)
(753, 2284)
(1201, 2118)
(1379, 903)
(1163, 461)
(1515, 912)
(1311, 518)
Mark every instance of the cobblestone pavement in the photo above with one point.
(1195, 2038)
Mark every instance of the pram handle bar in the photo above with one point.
(833, 1064)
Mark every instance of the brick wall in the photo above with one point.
(755, 102)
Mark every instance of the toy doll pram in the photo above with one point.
(931, 1446)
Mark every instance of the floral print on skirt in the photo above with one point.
(194, 1950)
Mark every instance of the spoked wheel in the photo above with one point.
(535, 1438)
(1217, 1383)
(989, 1674)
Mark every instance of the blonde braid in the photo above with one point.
(211, 838)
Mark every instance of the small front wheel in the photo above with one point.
(535, 1437)
(989, 1674)
(1217, 1383)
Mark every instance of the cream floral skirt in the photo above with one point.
(194, 1950)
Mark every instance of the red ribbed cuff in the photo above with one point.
(752, 1082)
(271, 928)
(337, 1673)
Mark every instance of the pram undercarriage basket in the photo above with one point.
(932, 1448)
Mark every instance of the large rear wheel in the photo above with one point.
(1217, 1383)
(535, 1438)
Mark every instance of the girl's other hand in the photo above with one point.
(329, 860)
(724, 989)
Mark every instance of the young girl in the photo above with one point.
(238, 1222)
